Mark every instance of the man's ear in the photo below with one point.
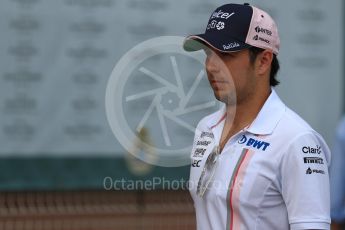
(263, 62)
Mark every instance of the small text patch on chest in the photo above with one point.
(261, 145)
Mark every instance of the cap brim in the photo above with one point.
(220, 43)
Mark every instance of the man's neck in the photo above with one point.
(242, 115)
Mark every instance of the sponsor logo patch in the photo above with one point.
(259, 29)
(231, 45)
(204, 143)
(311, 171)
(313, 160)
(221, 14)
(220, 25)
(212, 25)
(258, 38)
(206, 134)
(261, 145)
(312, 150)
(196, 163)
(199, 152)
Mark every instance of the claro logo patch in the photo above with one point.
(261, 145)
(311, 150)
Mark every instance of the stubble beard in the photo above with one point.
(228, 99)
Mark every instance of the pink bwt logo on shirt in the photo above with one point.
(254, 143)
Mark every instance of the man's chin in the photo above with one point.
(226, 99)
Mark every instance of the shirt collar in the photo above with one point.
(216, 118)
(269, 115)
(266, 120)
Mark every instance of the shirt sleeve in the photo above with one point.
(305, 182)
(337, 176)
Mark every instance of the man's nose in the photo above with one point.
(212, 62)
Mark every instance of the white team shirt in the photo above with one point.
(271, 175)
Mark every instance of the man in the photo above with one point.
(338, 179)
(255, 163)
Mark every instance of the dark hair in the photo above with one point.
(253, 53)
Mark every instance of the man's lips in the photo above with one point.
(218, 82)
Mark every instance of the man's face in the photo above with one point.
(231, 75)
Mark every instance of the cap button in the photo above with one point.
(246, 4)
